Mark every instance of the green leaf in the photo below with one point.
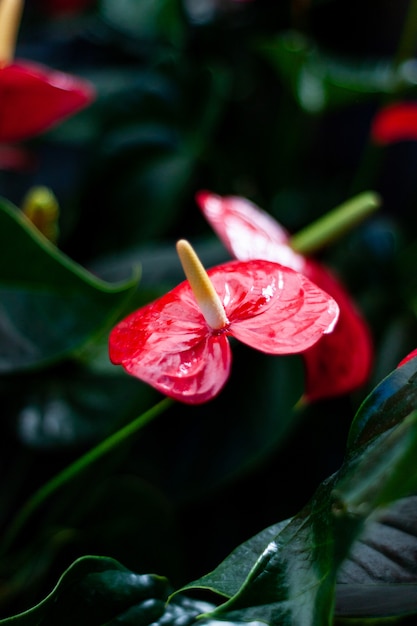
(94, 590)
(50, 306)
(287, 574)
(379, 577)
(182, 610)
(230, 575)
(376, 600)
(146, 18)
(391, 401)
(383, 474)
(291, 582)
(99, 591)
(320, 82)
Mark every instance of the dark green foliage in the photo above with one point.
(273, 101)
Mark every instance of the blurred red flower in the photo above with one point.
(341, 361)
(33, 98)
(395, 122)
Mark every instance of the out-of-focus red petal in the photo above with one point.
(342, 361)
(33, 98)
(407, 358)
(168, 345)
(272, 308)
(247, 231)
(395, 122)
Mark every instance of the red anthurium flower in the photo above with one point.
(407, 358)
(33, 98)
(395, 122)
(179, 343)
(341, 361)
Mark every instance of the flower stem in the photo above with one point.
(336, 223)
(407, 44)
(75, 468)
(10, 16)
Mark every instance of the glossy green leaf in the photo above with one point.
(319, 81)
(182, 611)
(287, 574)
(379, 474)
(379, 577)
(291, 582)
(93, 591)
(99, 591)
(50, 306)
(391, 401)
(228, 577)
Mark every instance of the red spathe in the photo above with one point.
(169, 345)
(33, 98)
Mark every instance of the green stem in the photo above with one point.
(336, 223)
(407, 44)
(70, 472)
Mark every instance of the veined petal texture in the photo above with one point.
(247, 231)
(272, 308)
(168, 345)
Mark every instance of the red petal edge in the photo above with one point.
(407, 358)
(269, 307)
(340, 362)
(247, 231)
(168, 345)
(396, 122)
(272, 308)
(33, 98)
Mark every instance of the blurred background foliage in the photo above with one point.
(269, 100)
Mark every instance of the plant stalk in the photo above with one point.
(75, 468)
(336, 223)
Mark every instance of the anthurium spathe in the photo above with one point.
(341, 361)
(179, 343)
(395, 122)
(411, 355)
(33, 98)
